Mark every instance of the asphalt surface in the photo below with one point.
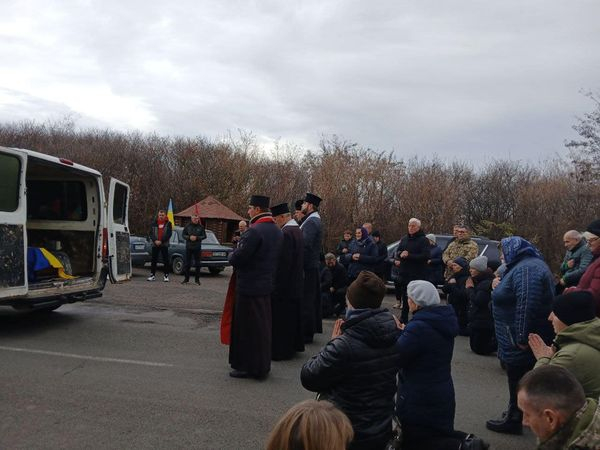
(142, 367)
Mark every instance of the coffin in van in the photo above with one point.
(52, 209)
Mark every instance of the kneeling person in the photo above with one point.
(359, 366)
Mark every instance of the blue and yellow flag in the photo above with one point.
(170, 213)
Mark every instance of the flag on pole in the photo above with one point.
(170, 213)
(197, 210)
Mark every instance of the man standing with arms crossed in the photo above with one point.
(255, 263)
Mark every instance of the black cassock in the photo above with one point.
(286, 303)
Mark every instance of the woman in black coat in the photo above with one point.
(454, 288)
(482, 337)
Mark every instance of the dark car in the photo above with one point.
(487, 247)
(139, 251)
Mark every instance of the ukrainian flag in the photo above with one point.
(170, 213)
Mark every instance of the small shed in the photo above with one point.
(215, 216)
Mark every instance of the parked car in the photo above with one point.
(214, 256)
(487, 247)
(139, 251)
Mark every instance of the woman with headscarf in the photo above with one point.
(362, 254)
(521, 302)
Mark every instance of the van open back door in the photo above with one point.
(13, 217)
(119, 257)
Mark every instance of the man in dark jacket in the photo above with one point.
(357, 369)
(577, 258)
(411, 262)
(286, 301)
(255, 263)
(435, 265)
(334, 282)
(312, 234)
(193, 234)
(382, 255)
(160, 234)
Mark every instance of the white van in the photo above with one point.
(56, 205)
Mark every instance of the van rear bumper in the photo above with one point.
(52, 301)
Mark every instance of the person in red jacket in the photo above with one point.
(590, 280)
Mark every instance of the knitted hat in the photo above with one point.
(594, 228)
(376, 233)
(432, 238)
(479, 263)
(367, 291)
(462, 262)
(574, 307)
(423, 293)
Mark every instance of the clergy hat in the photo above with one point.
(260, 201)
(298, 205)
(312, 198)
(282, 208)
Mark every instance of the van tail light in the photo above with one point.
(104, 244)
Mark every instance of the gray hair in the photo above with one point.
(329, 256)
(573, 234)
(416, 221)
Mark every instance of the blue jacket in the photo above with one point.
(582, 257)
(435, 268)
(426, 392)
(367, 259)
(521, 304)
(255, 258)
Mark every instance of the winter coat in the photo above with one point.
(166, 235)
(578, 350)
(333, 277)
(194, 229)
(343, 244)
(414, 266)
(382, 255)
(255, 258)
(582, 432)
(435, 266)
(480, 299)
(456, 291)
(590, 281)
(312, 234)
(357, 371)
(521, 304)
(426, 391)
(367, 250)
(582, 257)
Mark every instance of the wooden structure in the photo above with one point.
(214, 215)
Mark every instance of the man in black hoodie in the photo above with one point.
(411, 260)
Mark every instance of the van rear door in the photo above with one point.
(13, 217)
(119, 257)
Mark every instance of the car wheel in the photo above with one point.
(216, 270)
(177, 265)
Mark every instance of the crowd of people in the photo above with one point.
(385, 381)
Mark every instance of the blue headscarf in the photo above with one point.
(365, 234)
(515, 247)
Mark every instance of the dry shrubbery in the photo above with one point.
(357, 184)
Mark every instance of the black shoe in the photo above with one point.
(198, 282)
(510, 423)
(185, 281)
(239, 374)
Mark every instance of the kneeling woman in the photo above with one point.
(425, 400)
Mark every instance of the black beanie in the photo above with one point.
(367, 291)
(574, 307)
(594, 227)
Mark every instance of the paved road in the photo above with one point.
(142, 367)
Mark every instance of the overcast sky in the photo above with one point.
(459, 79)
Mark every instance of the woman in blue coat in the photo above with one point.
(521, 304)
(362, 255)
(425, 403)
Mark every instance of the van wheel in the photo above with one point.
(177, 265)
(216, 270)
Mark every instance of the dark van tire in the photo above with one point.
(177, 265)
(216, 270)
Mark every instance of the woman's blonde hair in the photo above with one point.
(311, 425)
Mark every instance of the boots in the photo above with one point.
(510, 423)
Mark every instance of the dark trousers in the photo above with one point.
(515, 373)
(400, 287)
(482, 341)
(164, 254)
(415, 437)
(311, 305)
(189, 254)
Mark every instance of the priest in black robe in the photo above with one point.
(255, 263)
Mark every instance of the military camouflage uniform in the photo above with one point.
(582, 432)
(467, 248)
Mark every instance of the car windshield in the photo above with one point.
(210, 238)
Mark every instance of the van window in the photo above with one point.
(120, 204)
(10, 174)
(56, 200)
